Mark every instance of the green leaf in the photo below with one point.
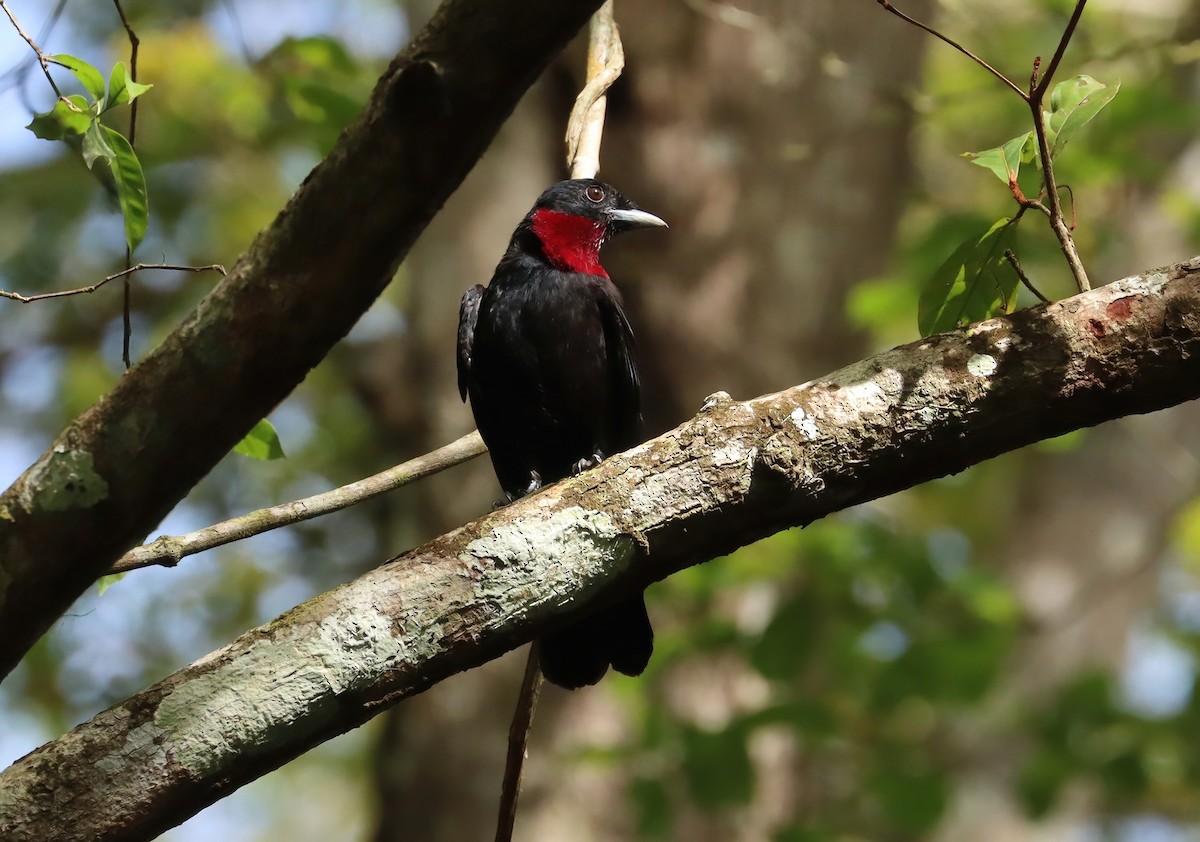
(96, 144)
(913, 800)
(1005, 161)
(106, 582)
(787, 640)
(974, 283)
(652, 803)
(1043, 778)
(262, 442)
(718, 768)
(131, 186)
(63, 120)
(88, 76)
(121, 88)
(1073, 104)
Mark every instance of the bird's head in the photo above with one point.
(572, 219)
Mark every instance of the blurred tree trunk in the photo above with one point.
(770, 136)
(440, 756)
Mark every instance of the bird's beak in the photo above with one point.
(629, 218)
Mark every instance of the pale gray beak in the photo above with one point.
(627, 219)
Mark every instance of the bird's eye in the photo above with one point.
(594, 193)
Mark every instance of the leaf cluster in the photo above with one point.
(77, 119)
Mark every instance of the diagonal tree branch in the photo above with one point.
(735, 473)
(117, 470)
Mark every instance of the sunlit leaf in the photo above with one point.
(974, 283)
(1185, 536)
(62, 120)
(1073, 104)
(1005, 161)
(1065, 443)
(317, 52)
(88, 76)
(131, 187)
(106, 582)
(121, 88)
(262, 442)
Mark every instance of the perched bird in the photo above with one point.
(547, 357)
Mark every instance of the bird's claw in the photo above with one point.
(715, 399)
(587, 463)
(535, 483)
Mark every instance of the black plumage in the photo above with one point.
(547, 357)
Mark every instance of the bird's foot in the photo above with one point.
(535, 484)
(715, 399)
(587, 463)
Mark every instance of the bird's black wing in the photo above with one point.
(468, 315)
(622, 358)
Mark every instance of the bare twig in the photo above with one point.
(1011, 257)
(1071, 194)
(1062, 48)
(887, 5)
(518, 744)
(124, 273)
(127, 323)
(1037, 90)
(43, 59)
(134, 43)
(167, 551)
(585, 128)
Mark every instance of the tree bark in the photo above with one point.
(119, 468)
(736, 472)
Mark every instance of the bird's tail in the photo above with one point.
(619, 636)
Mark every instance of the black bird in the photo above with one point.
(547, 357)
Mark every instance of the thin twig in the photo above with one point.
(167, 551)
(1058, 224)
(1062, 48)
(1066, 188)
(585, 128)
(43, 59)
(26, 299)
(518, 745)
(1016, 265)
(134, 42)
(887, 5)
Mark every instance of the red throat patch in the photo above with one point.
(570, 242)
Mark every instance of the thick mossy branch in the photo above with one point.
(119, 468)
(736, 472)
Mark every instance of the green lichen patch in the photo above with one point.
(64, 481)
